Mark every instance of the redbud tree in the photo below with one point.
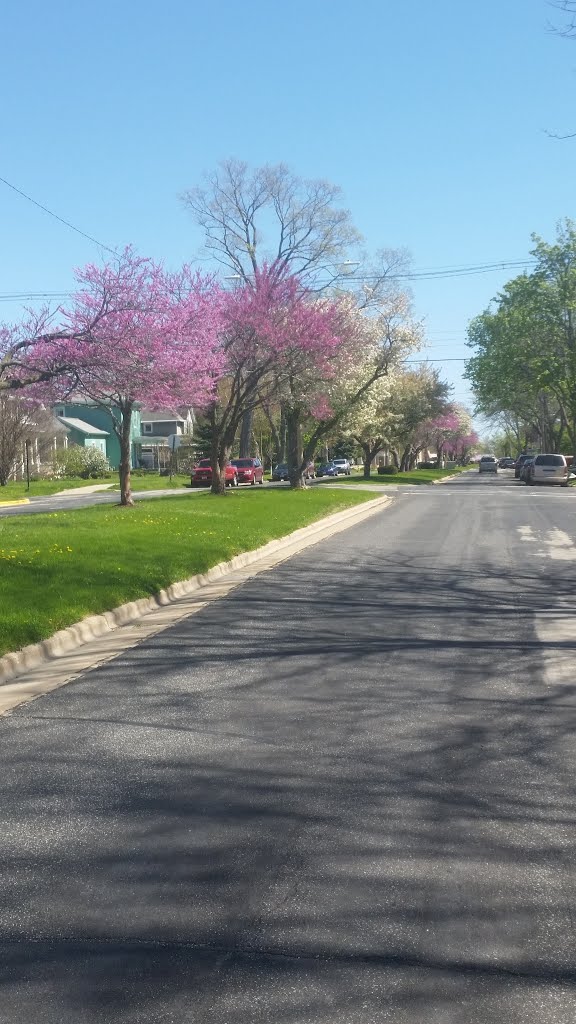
(139, 335)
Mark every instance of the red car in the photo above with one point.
(250, 471)
(202, 474)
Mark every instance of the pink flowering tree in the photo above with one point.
(264, 321)
(33, 351)
(329, 383)
(450, 433)
(139, 335)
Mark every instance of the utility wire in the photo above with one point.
(56, 217)
(422, 275)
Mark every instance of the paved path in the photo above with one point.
(343, 794)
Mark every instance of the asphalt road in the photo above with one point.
(343, 794)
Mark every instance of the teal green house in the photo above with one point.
(90, 424)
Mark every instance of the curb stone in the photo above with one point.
(68, 640)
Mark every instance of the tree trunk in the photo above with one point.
(246, 434)
(367, 458)
(294, 446)
(282, 434)
(218, 459)
(124, 436)
(405, 460)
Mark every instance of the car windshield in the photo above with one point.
(243, 463)
(204, 464)
(488, 458)
(549, 460)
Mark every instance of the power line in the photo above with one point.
(438, 274)
(56, 217)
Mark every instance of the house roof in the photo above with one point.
(82, 427)
(160, 416)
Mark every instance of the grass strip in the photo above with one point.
(16, 489)
(416, 476)
(57, 568)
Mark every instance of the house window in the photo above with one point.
(147, 428)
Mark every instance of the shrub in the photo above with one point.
(86, 462)
(388, 470)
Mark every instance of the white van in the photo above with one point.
(548, 469)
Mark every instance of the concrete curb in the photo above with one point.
(451, 477)
(94, 626)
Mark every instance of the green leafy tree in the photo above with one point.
(524, 364)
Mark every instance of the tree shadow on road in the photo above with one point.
(363, 814)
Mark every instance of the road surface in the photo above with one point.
(344, 794)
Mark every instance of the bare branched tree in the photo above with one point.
(567, 7)
(250, 217)
(16, 425)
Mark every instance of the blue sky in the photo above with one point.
(432, 117)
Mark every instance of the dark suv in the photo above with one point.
(519, 464)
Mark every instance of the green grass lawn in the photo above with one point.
(154, 482)
(57, 568)
(16, 490)
(416, 476)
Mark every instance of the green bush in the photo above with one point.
(86, 463)
(387, 470)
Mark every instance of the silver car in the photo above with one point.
(488, 464)
(548, 469)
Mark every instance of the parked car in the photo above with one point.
(249, 471)
(342, 466)
(519, 463)
(327, 469)
(547, 469)
(280, 472)
(525, 468)
(488, 464)
(506, 463)
(202, 474)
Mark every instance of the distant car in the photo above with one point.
(547, 469)
(525, 468)
(327, 469)
(249, 471)
(280, 472)
(506, 463)
(519, 463)
(342, 466)
(488, 464)
(202, 474)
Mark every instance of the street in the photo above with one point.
(343, 794)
